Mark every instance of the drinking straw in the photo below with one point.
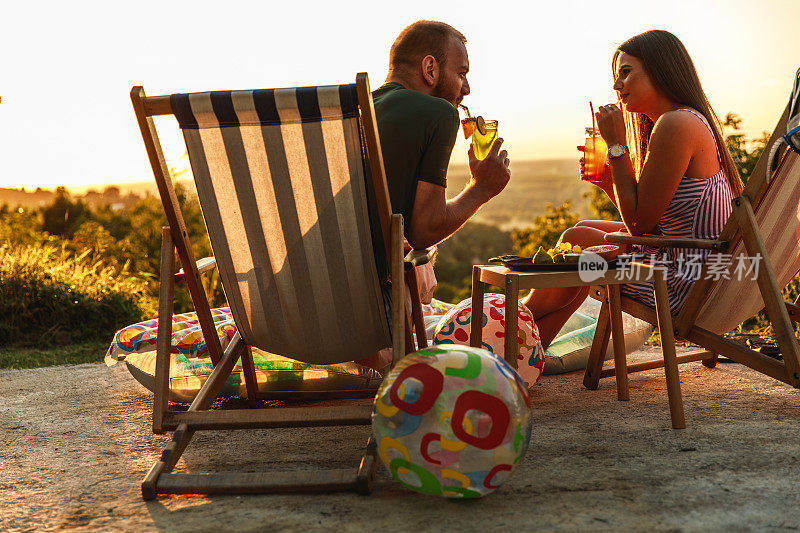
(594, 127)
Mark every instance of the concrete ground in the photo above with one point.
(75, 442)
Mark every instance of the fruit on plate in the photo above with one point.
(562, 252)
(542, 257)
(608, 252)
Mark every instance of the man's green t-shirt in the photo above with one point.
(417, 134)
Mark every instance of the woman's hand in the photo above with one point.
(611, 124)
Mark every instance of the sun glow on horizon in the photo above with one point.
(66, 119)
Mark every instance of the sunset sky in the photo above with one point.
(67, 67)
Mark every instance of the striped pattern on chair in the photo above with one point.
(281, 179)
(731, 302)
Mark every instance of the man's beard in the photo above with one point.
(439, 92)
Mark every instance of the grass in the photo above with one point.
(59, 308)
(50, 296)
(32, 357)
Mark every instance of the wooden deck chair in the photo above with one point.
(765, 223)
(294, 195)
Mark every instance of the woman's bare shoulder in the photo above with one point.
(684, 119)
(680, 124)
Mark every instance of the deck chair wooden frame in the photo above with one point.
(198, 417)
(741, 230)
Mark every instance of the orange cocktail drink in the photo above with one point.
(594, 152)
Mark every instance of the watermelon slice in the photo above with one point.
(608, 252)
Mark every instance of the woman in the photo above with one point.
(676, 179)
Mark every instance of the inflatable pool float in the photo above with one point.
(455, 326)
(569, 351)
(283, 377)
(275, 374)
(190, 366)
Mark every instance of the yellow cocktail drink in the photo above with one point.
(483, 138)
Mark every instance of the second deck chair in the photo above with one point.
(294, 195)
(765, 223)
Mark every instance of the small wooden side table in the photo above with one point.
(513, 282)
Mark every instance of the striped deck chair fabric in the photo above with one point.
(280, 175)
(732, 301)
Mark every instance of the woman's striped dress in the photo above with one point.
(699, 209)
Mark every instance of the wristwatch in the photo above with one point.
(617, 150)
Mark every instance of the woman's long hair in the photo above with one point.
(672, 72)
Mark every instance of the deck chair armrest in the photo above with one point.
(204, 265)
(416, 258)
(666, 242)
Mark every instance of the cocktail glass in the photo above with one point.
(594, 153)
(483, 137)
(483, 133)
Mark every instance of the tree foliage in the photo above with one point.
(745, 152)
(601, 205)
(63, 216)
(103, 247)
(545, 229)
(473, 244)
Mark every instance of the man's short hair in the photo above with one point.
(422, 38)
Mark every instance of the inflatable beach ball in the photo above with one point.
(454, 328)
(452, 421)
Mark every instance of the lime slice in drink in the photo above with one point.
(481, 124)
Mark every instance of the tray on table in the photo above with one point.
(526, 264)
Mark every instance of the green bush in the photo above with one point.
(745, 152)
(50, 296)
(761, 323)
(545, 229)
(473, 244)
(601, 205)
(144, 244)
(21, 227)
(63, 216)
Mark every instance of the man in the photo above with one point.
(418, 124)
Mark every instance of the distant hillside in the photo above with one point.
(116, 195)
(25, 198)
(110, 196)
(533, 184)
